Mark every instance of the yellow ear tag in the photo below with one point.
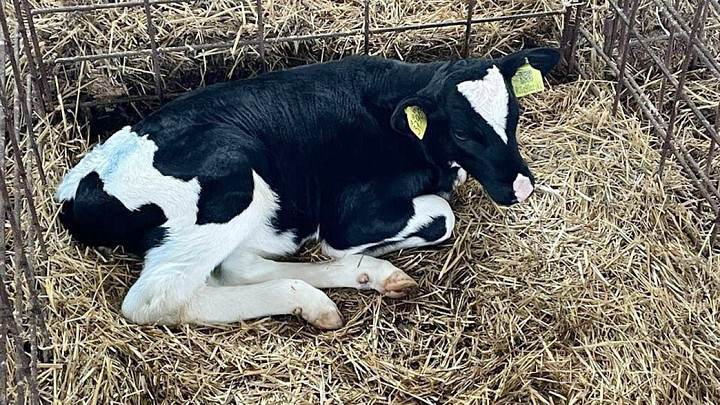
(417, 120)
(527, 80)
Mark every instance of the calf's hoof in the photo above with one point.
(398, 285)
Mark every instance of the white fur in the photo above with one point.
(244, 267)
(175, 270)
(427, 207)
(125, 165)
(489, 98)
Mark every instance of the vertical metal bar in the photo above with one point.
(5, 311)
(565, 39)
(574, 38)
(366, 27)
(714, 240)
(261, 36)
(23, 266)
(681, 84)
(468, 27)
(711, 149)
(609, 31)
(14, 140)
(26, 48)
(153, 48)
(668, 64)
(31, 133)
(44, 88)
(624, 41)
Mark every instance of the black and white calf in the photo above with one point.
(356, 153)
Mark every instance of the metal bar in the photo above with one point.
(668, 63)
(7, 312)
(261, 36)
(658, 123)
(23, 266)
(703, 53)
(44, 88)
(31, 134)
(94, 7)
(712, 132)
(14, 141)
(711, 149)
(468, 28)
(366, 27)
(681, 84)
(624, 48)
(296, 38)
(573, 44)
(153, 49)
(20, 27)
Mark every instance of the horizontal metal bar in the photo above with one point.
(298, 38)
(93, 7)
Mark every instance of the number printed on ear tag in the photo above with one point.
(527, 80)
(417, 120)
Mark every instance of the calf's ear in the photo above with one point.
(542, 59)
(411, 117)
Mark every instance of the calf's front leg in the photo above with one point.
(352, 271)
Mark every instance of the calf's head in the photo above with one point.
(472, 114)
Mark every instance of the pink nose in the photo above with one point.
(523, 188)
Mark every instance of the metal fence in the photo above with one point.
(26, 96)
(23, 337)
(657, 69)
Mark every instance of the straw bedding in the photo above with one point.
(593, 291)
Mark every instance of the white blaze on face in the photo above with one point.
(523, 187)
(489, 98)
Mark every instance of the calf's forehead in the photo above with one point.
(489, 98)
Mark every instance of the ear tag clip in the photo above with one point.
(417, 120)
(527, 80)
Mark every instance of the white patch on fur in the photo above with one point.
(427, 208)
(125, 165)
(489, 98)
(176, 269)
(461, 174)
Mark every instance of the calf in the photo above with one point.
(356, 153)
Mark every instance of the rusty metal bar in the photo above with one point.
(7, 311)
(261, 36)
(14, 140)
(30, 133)
(94, 7)
(711, 149)
(668, 62)
(153, 49)
(298, 38)
(681, 84)
(44, 88)
(20, 27)
(574, 36)
(624, 48)
(366, 27)
(468, 28)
